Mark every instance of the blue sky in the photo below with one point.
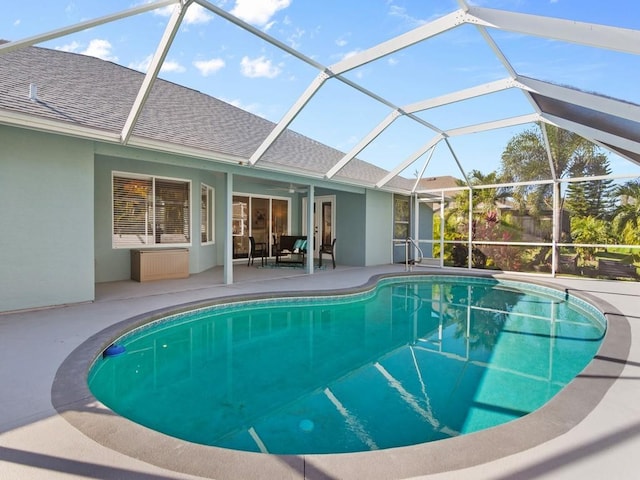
(216, 57)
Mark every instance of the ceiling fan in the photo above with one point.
(290, 189)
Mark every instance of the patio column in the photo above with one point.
(556, 222)
(228, 230)
(311, 234)
(470, 231)
(416, 226)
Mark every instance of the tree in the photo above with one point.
(485, 200)
(577, 202)
(590, 198)
(626, 217)
(525, 159)
(590, 230)
(599, 192)
(488, 225)
(456, 226)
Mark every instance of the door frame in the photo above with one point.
(318, 201)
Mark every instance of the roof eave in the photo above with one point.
(33, 122)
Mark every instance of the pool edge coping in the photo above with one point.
(74, 402)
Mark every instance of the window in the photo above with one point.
(401, 216)
(240, 215)
(150, 211)
(206, 214)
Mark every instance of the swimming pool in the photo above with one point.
(415, 360)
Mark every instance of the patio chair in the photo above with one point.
(328, 249)
(256, 248)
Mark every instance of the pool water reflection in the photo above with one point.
(415, 360)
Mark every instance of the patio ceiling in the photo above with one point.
(610, 123)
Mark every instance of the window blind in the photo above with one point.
(150, 211)
(172, 211)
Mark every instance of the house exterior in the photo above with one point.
(76, 199)
(98, 161)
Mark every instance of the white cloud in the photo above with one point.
(172, 66)
(350, 54)
(258, 12)
(97, 47)
(164, 11)
(347, 143)
(100, 48)
(341, 42)
(142, 65)
(195, 14)
(251, 107)
(401, 12)
(17, 22)
(70, 47)
(167, 66)
(392, 61)
(258, 67)
(208, 67)
(295, 37)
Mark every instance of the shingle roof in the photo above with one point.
(437, 183)
(90, 92)
(99, 95)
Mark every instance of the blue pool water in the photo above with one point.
(415, 360)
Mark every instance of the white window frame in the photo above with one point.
(207, 218)
(396, 222)
(148, 240)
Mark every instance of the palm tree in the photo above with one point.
(525, 159)
(486, 219)
(626, 217)
(485, 200)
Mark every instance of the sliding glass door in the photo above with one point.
(260, 217)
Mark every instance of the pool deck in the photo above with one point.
(49, 432)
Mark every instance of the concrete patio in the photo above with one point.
(591, 432)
